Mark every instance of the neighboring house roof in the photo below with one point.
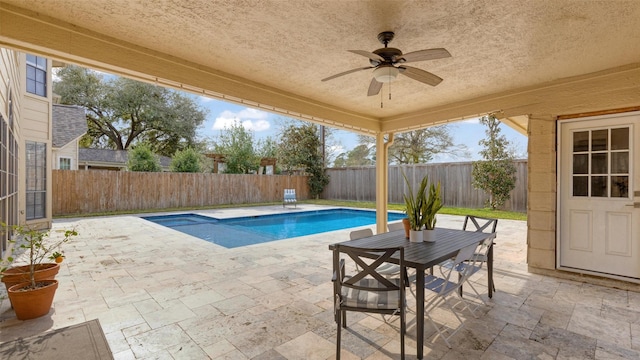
(69, 123)
(115, 157)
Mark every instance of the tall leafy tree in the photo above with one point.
(236, 143)
(300, 148)
(496, 173)
(420, 146)
(122, 112)
(267, 148)
(358, 156)
(141, 158)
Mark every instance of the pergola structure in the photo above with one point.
(217, 160)
(526, 62)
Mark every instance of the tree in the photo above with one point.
(187, 160)
(267, 148)
(358, 156)
(122, 112)
(141, 158)
(236, 144)
(420, 146)
(300, 147)
(496, 173)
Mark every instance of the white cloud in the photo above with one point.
(205, 99)
(250, 119)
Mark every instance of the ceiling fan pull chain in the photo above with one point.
(381, 100)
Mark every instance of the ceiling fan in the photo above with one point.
(384, 62)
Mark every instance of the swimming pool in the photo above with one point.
(249, 230)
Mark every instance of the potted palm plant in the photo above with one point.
(31, 287)
(430, 207)
(413, 207)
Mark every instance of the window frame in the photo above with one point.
(60, 158)
(36, 75)
(35, 180)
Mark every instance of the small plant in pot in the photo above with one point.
(413, 206)
(430, 207)
(31, 287)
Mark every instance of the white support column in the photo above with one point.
(382, 181)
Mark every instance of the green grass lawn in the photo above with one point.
(498, 214)
(488, 213)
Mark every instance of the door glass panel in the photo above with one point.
(581, 164)
(620, 186)
(599, 163)
(620, 139)
(580, 186)
(599, 186)
(620, 162)
(599, 140)
(580, 141)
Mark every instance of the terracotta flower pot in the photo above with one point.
(20, 274)
(407, 227)
(32, 303)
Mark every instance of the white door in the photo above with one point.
(599, 195)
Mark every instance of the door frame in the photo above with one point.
(635, 145)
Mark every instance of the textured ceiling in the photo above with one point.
(497, 46)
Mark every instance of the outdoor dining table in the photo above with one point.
(424, 255)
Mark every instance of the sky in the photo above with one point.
(222, 114)
(263, 124)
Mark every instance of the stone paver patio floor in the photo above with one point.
(160, 294)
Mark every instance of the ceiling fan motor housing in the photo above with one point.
(388, 54)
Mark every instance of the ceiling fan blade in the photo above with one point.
(370, 55)
(420, 75)
(374, 87)
(422, 55)
(347, 72)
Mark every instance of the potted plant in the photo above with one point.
(33, 295)
(430, 207)
(413, 207)
(407, 225)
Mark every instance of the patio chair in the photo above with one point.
(471, 267)
(395, 226)
(290, 197)
(359, 234)
(386, 269)
(477, 224)
(444, 286)
(480, 224)
(367, 290)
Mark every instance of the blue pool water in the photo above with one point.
(249, 230)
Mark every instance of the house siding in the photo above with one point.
(35, 124)
(70, 150)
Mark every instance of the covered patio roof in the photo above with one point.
(508, 58)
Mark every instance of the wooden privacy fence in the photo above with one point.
(358, 183)
(93, 191)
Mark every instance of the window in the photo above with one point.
(601, 161)
(36, 75)
(64, 163)
(36, 169)
(8, 176)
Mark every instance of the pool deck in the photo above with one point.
(162, 294)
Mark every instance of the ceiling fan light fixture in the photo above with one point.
(385, 74)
